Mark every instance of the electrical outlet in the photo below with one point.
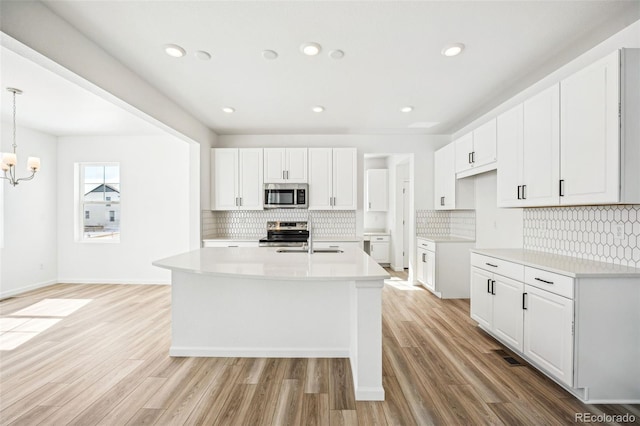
(618, 232)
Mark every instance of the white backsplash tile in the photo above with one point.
(459, 223)
(253, 224)
(586, 232)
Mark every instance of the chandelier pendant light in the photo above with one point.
(10, 160)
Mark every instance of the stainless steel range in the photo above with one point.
(285, 234)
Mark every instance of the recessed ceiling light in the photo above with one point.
(174, 50)
(317, 108)
(228, 110)
(452, 49)
(336, 54)
(406, 109)
(269, 54)
(310, 49)
(202, 55)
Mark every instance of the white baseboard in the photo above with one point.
(397, 268)
(110, 281)
(369, 394)
(258, 352)
(13, 292)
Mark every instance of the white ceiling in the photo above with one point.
(53, 105)
(392, 57)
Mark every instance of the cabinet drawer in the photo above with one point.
(230, 243)
(336, 244)
(549, 281)
(379, 238)
(498, 266)
(426, 245)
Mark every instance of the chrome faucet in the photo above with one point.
(310, 240)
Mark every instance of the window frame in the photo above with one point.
(80, 202)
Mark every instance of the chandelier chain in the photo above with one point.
(14, 123)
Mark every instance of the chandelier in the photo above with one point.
(9, 160)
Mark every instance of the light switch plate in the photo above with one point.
(618, 232)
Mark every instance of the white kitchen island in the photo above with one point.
(256, 302)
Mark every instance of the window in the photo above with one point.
(99, 198)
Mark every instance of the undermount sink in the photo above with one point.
(327, 250)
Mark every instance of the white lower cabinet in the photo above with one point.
(379, 248)
(496, 303)
(580, 329)
(548, 331)
(443, 267)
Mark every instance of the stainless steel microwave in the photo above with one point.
(286, 196)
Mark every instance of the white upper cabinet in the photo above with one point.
(529, 147)
(575, 143)
(509, 137)
(450, 193)
(377, 190)
(285, 165)
(345, 178)
(236, 179)
(332, 178)
(595, 102)
(476, 151)
(541, 148)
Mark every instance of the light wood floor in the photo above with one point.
(107, 363)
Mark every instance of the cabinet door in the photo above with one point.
(589, 131)
(274, 165)
(320, 179)
(345, 196)
(548, 332)
(379, 251)
(445, 178)
(421, 274)
(296, 165)
(509, 138)
(224, 177)
(541, 148)
(250, 178)
(481, 297)
(484, 144)
(431, 270)
(507, 310)
(376, 190)
(463, 150)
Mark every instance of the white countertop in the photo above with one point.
(265, 263)
(446, 239)
(564, 265)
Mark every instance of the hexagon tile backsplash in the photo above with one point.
(606, 233)
(253, 224)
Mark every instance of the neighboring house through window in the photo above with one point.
(99, 198)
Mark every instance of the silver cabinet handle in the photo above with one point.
(334, 246)
(240, 201)
(287, 172)
(334, 201)
(369, 204)
(283, 178)
(423, 261)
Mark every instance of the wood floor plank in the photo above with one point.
(317, 376)
(265, 398)
(236, 406)
(341, 385)
(133, 402)
(108, 363)
(289, 407)
(371, 413)
(343, 418)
